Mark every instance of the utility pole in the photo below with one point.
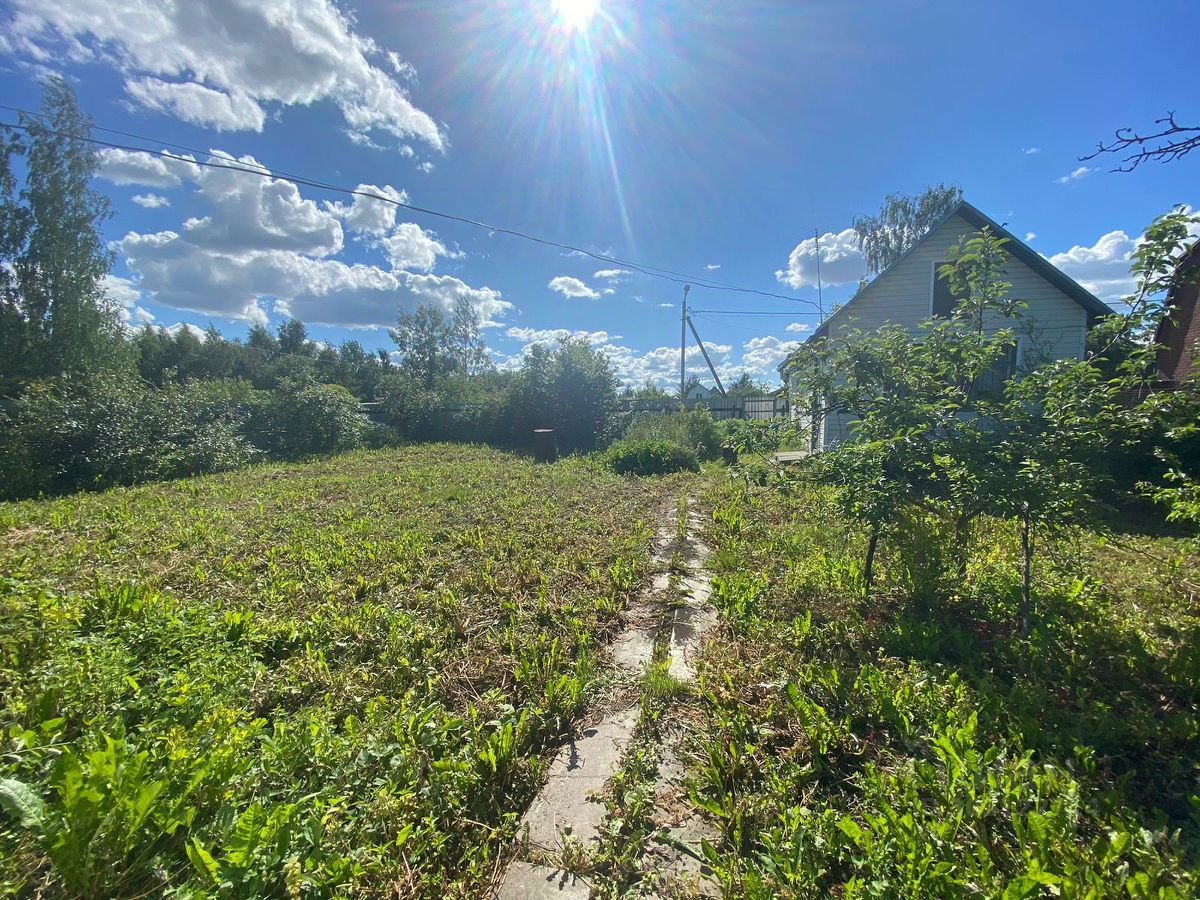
(683, 344)
(711, 368)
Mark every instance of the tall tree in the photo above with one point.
(55, 316)
(433, 344)
(902, 221)
(293, 339)
(746, 386)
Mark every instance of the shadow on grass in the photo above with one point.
(1077, 681)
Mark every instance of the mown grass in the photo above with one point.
(327, 679)
(913, 745)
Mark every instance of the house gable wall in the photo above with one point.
(1054, 326)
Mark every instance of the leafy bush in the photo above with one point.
(761, 435)
(570, 388)
(302, 418)
(408, 406)
(651, 458)
(112, 429)
(695, 430)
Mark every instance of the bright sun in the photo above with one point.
(575, 14)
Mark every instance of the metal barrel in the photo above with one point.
(545, 445)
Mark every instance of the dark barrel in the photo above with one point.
(545, 447)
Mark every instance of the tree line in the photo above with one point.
(88, 403)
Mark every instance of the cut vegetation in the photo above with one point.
(336, 678)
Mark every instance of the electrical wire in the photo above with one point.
(230, 164)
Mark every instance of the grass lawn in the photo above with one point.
(333, 678)
(913, 745)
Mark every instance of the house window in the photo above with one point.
(991, 382)
(944, 299)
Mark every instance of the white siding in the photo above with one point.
(1053, 326)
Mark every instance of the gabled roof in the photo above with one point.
(1017, 248)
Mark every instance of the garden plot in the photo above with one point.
(343, 677)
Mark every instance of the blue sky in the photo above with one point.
(683, 135)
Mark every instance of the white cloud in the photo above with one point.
(842, 261)
(1081, 172)
(666, 306)
(260, 213)
(411, 247)
(225, 59)
(1029, 151)
(660, 365)
(612, 274)
(571, 287)
(1102, 268)
(121, 290)
(134, 167)
(363, 140)
(712, 267)
(196, 331)
(263, 243)
(1030, 235)
(425, 167)
(151, 201)
(531, 336)
(191, 102)
(367, 214)
(799, 327)
(762, 355)
(446, 289)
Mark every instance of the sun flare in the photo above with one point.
(575, 14)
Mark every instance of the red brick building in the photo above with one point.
(1179, 331)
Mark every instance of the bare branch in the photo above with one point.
(1172, 141)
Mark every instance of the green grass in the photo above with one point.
(329, 679)
(913, 745)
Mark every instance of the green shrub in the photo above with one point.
(113, 429)
(302, 418)
(408, 406)
(761, 435)
(651, 458)
(695, 430)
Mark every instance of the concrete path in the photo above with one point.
(568, 812)
(788, 456)
(677, 864)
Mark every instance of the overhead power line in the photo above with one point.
(230, 164)
(738, 312)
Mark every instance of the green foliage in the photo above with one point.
(762, 436)
(110, 429)
(883, 747)
(570, 388)
(650, 457)
(264, 359)
(936, 433)
(902, 221)
(304, 679)
(433, 344)
(693, 430)
(302, 418)
(747, 386)
(54, 315)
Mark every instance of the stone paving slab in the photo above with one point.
(580, 770)
(527, 881)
